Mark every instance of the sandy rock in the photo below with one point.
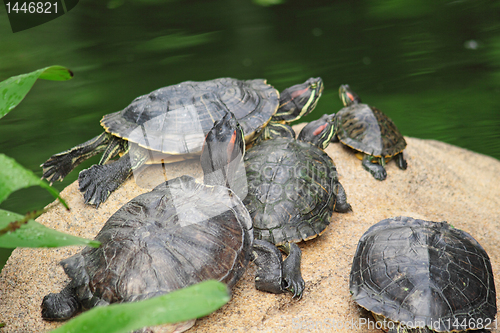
(442, 182)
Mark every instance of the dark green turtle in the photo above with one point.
(419, 276)
(180, 233)
(170, 124)
(293, 189)
(366, 129)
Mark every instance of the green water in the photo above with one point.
(432, 66)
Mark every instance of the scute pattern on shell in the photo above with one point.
(179, 234)
(176, 118)
(411, 270)
(368, 130)
(291, 190)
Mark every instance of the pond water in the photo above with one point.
(432, 66)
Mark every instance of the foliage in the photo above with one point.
(17, 230)
(14, 89)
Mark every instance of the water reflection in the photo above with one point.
(433, 67)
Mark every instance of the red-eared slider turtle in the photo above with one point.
(367, 130)
(293, 189)
(420, 276)
(180, 233)
(170, 124)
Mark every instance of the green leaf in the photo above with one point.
(56, 73)
(192, 302)
(4, 256)
(14, 176)
(34, 234)
(14, 89)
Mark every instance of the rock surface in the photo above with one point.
(442, 182)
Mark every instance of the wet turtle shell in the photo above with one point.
(367, 129)
(292, 190)
(423, 274)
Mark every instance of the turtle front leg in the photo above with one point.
(275, 275)
(60, 306)
(377, 171)
(291, 269)
(60, 165)
(98, 181)
(401, 162)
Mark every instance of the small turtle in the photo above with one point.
(293, 189)
(180, 233)
(366, 129)
(170, 124)
(419, 276)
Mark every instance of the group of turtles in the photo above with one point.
(264, 190)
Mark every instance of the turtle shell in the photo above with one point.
(367, 129)
(175, 119)
(424, 274)
(291, 190)
(179, 234)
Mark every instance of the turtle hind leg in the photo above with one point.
(341, 204)
(401, 162)
(60, 306)
(60, 165)
(377, 170)
(98, 181)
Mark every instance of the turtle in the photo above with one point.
(420, 276)
(367, 130)
(293, 190)
(170, 124)
(180, 233)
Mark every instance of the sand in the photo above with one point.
(442, 183)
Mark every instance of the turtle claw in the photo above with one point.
(96, 189)
(60, 306)
(378, 171)
(57, 167)
(60, 165)
(292, 276)
(98, 181)
(379, 174)
(401, 162)
(295, 285)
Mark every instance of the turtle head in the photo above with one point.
(274, 131)
(348, 96)
(223, 151)
(319, 132)
(299, 100)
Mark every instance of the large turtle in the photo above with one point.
(170, 124)
(367, 130)
(293, 189)
(180, 233)
(419, 276)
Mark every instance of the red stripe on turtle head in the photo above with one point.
(320, 129)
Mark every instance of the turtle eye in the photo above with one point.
(314, 85)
